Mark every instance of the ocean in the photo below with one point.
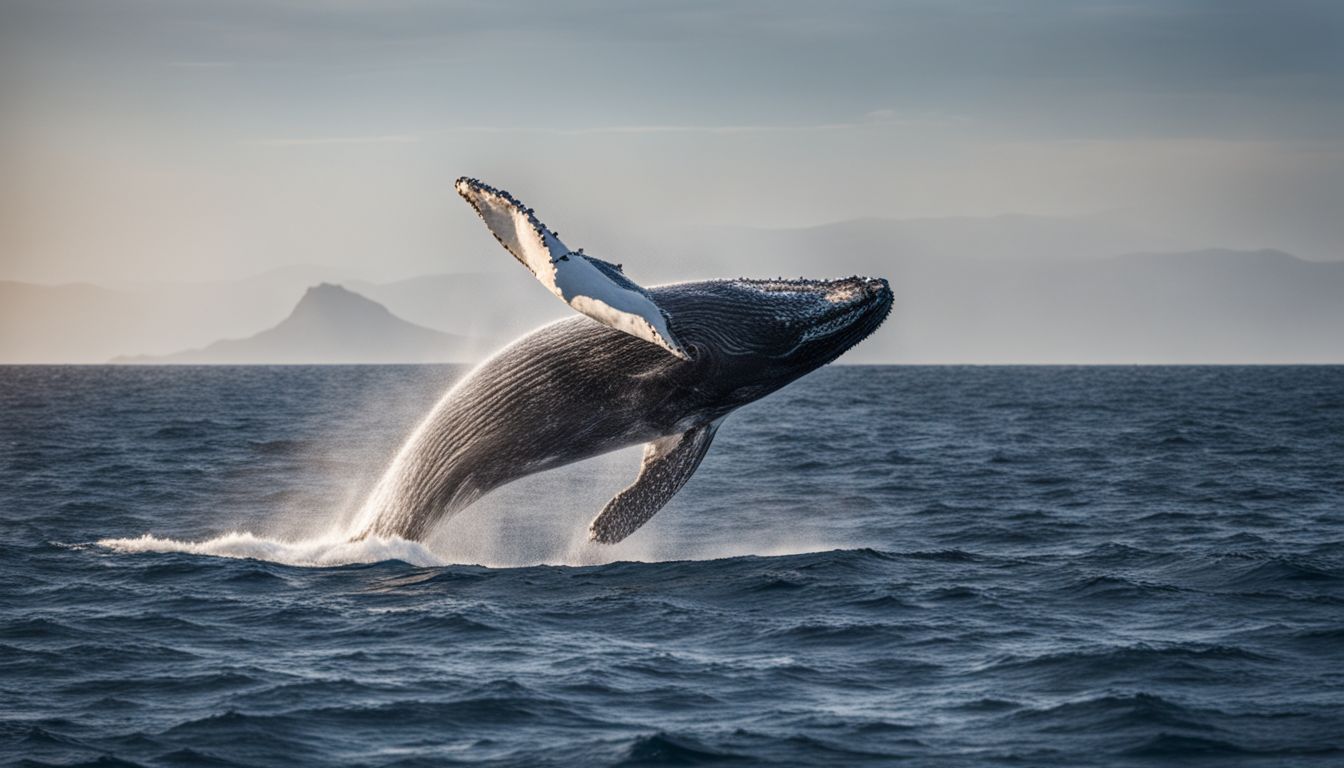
(944, 566)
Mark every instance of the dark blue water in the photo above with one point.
(961, 566)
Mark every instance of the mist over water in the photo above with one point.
(958, 566)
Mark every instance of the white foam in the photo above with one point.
(330, 552)
(540, 519)
(311, 553)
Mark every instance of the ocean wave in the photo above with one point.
(1119, 588)
(1159, 605)
(1118, 660)
(1115, 712)
(1171, 745)
(667, 749)
(190, 757)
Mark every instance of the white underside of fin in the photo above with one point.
(569, 274)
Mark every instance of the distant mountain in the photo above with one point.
(330, 324)
(496, 306)
(83, 323)
(1007, 289)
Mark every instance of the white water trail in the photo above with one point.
(333, 552)
(318, 553)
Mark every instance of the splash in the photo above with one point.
(386, 507)
(541, 519)
(473, 548)
(319, 553)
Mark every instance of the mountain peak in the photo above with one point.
(328, 288)
(328, 292)
(327, 302)
(333, 324)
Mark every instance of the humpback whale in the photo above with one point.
(659, 366)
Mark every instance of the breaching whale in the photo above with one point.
(661, 366)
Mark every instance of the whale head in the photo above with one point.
(754, 336)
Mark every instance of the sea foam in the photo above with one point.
(329, 552)
(311, 553)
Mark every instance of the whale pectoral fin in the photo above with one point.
(668, 463)
(592, 286)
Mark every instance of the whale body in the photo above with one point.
(660, 366)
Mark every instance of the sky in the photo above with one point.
(165, 141)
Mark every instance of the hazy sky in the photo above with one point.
(191, 140)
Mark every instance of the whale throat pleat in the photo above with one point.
(487, 430)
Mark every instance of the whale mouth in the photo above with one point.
(860, 301)
(834, 313)
(851, 299)
(835, 324)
